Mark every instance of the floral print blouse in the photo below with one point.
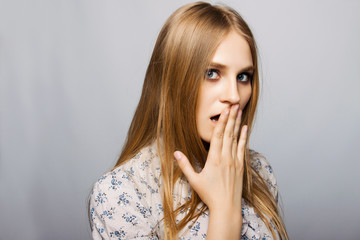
(126, 203)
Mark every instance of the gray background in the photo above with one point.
(71, 73)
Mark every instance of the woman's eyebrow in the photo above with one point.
(248, 69)
(222, 66)
(217, 65)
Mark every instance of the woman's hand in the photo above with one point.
(219, 184)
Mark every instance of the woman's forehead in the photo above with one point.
(233, 51)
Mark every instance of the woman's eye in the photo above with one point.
(243, 77)
(212, 74)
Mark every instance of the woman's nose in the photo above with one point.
(230, 92)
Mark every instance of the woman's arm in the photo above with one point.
(219, 184)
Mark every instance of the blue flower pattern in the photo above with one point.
(126, 202)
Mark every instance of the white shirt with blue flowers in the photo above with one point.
(126, 202)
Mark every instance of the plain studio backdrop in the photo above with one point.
(71, 74)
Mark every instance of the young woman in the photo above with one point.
(186, 170)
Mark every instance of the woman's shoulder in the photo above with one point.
(263, 167)
(260, 163)
(143, 169)
(125, 197)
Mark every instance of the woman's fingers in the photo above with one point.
(186, 168)
(236, 133)
(223, 170)
(229, 135)
(216, 142)
(241, 144)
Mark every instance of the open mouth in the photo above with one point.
(215, 118)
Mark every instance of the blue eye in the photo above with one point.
(243, 77)
(212, 74)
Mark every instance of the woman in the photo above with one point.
(186, 170)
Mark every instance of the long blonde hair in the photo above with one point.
(167, 107)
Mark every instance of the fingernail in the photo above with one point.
(226, 112)
(177, 155)
(236, 107)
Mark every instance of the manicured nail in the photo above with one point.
(177, 155)
(226, 112)
(236, 107)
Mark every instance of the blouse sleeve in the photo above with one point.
(118, 209)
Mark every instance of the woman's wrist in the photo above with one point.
(224, 224)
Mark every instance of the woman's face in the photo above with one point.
(227, 81)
